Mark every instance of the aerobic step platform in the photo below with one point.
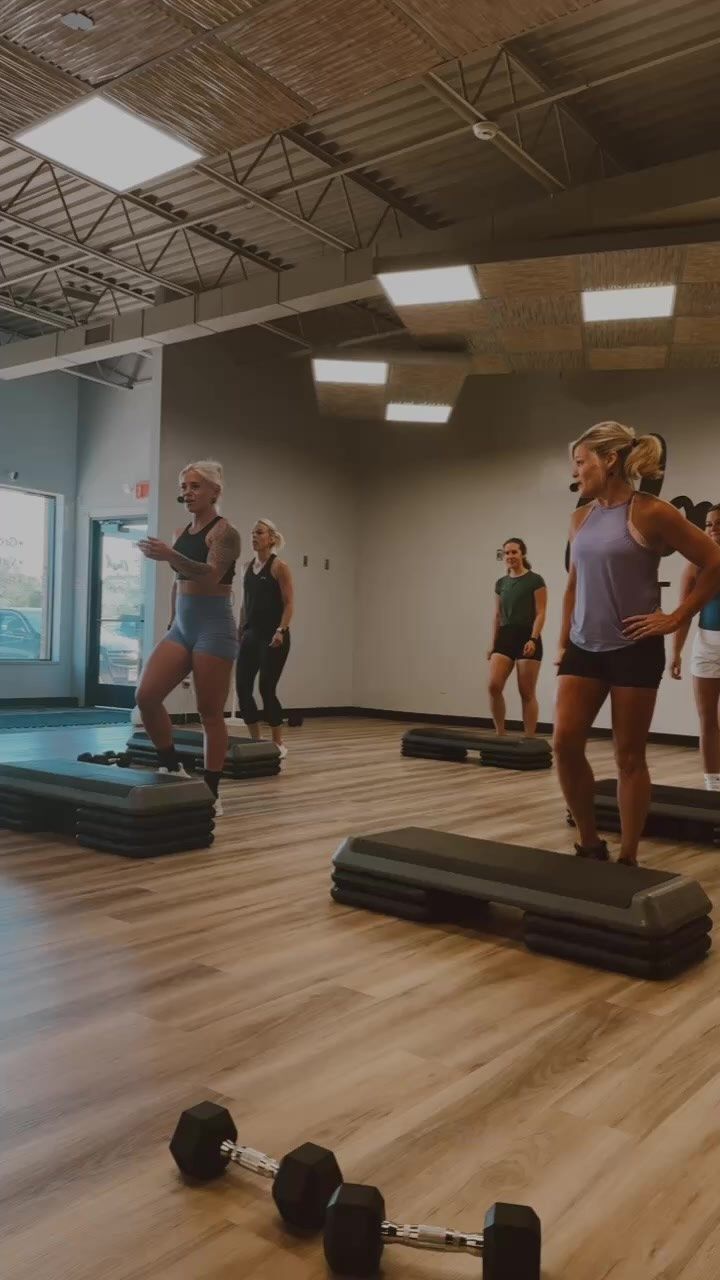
(433, 742)
(244, 759)
(677, 813)
(128, 811)
(650, 924)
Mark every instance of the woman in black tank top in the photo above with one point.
(267, 610)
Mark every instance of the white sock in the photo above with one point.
(712, 781)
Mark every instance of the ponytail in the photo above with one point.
(643, 460)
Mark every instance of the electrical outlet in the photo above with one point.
(305, 561)
(327, 564)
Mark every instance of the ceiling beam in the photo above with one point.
(611, 77)
(264, 202)
(39, 314)
(233, 244)
(51, 267)
(526, 65)
(71, 243)
(501, 141)
(404, 203)
(142, 237)
(103, 382)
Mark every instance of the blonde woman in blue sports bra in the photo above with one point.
(202, 636)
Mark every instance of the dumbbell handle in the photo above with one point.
(248, 1158)
(422, 1237)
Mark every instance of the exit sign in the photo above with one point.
(142, 488)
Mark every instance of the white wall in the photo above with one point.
(435, 503)
(117, 438)
(38, 438)
(282, 461)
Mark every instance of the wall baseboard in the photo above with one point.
(478, 722)
(35, 704)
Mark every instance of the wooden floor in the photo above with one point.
(448, 1068)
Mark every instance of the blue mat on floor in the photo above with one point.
(17, 721)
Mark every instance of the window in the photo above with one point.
(27, 541)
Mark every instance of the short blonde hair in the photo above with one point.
(209, 469)
(277, 537)
(639, 456)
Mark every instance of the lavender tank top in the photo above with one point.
(616, 577)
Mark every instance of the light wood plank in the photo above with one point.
(448, 1065)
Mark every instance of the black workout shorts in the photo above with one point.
(511, 641)
(638, 666)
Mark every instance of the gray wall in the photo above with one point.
(435, 503)
(38, 438)
(280, 461)
(117, 436)
(409, 517)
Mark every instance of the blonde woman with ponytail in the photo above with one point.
(202, 636)
(265, 618)
(611, 639)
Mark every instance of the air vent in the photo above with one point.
(100, 333)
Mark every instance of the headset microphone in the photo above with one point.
(180, 498)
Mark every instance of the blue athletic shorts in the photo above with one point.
(205, 624)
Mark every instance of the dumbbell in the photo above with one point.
(356, 1232)
(205, 1142)
(122, 759)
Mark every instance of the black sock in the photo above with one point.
(168, 758)
(212, 778)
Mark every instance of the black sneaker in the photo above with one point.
(598, 852)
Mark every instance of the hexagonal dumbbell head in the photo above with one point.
(353, 1240)
(198, 1138)
(304, 1183)
(512, 1243)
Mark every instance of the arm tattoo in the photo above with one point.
(223, 551)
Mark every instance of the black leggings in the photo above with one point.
(257, 655)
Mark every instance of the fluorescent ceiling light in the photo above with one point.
(397, 412)
(439, 284)
(628, 304)
(109, 144)
(372, 373)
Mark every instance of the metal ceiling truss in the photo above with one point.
(339, 171)
(176, 222)
(509, 113)
(520, 149)
(322, 149)
(515, 57)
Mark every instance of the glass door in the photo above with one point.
(117, 617)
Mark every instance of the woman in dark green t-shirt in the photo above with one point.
(520, 607)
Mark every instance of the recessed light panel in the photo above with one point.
(397, 412)
(423, 288)
(108, 144)
(645, 303)
(370, 373)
